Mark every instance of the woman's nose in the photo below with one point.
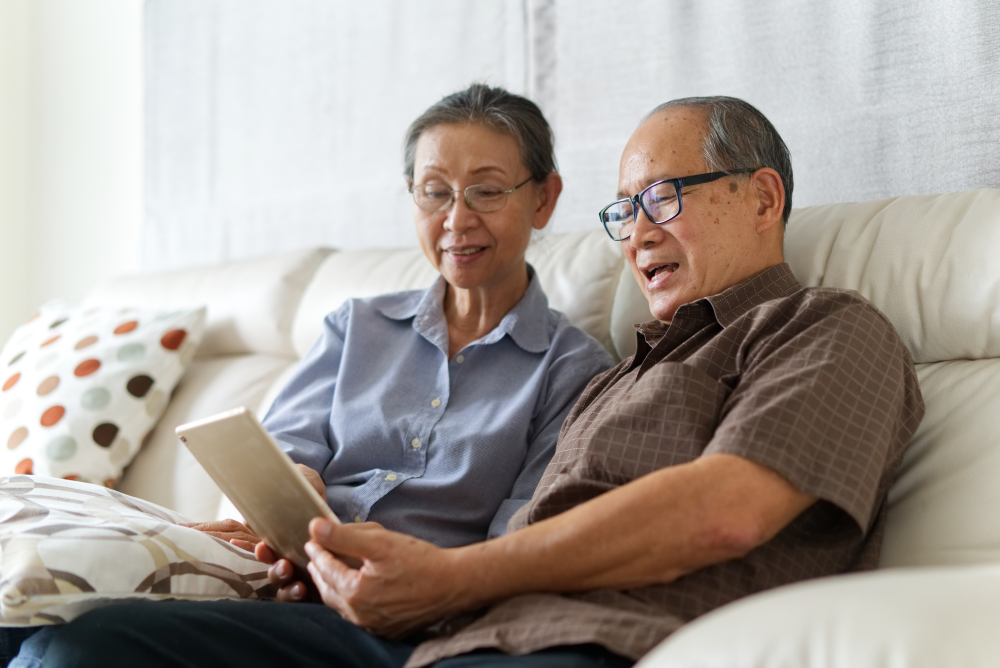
(460, 216)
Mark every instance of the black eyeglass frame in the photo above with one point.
(678, 183)
(465, 196)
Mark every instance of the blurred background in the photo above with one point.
(151, 135)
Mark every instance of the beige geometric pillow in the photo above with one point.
(68, 547)
(80, 389)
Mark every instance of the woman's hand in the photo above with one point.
(314, 479)
(231, 531)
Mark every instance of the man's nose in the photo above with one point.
(460, 216)
(644, 232)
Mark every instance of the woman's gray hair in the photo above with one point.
(739, 136)
(497, 109)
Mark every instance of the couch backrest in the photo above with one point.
(583, 274)
(932, 265)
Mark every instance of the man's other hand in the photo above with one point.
(401, 583)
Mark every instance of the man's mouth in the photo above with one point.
(667, 268)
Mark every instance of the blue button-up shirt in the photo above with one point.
(444, 450)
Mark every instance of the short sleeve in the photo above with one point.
(827, 402)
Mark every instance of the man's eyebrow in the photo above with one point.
(624, 195)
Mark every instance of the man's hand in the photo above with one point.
(402, 583)
(231, 531)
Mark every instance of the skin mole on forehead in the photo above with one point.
(733, 187)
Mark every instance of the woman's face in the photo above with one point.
(475, 250)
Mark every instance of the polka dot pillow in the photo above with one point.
(81, 389)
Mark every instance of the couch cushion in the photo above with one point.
(250, 303)
(930, 263)
(579, 272)
(943, 506)
(165, 472)
(918, 618)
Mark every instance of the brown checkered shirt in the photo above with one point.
(811, 382)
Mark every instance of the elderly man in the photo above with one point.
(749, 443)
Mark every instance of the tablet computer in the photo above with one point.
(259, 478)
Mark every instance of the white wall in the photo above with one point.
(71, 105)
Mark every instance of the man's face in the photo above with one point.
(712, 244)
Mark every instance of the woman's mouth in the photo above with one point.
(465, 254)
(466, 251)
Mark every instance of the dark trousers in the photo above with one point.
(241, 634)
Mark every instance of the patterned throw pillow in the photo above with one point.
(68, 547)
(80, 389)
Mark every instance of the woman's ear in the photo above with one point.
(769, 192)
(548, 194)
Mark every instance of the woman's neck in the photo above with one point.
(472, 314)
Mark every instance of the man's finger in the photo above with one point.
(346, 540)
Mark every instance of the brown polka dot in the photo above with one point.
(126, 327)
(74, 478)
(58, 322)
(86, 367)
(16, 358)
(52, 415)
(85, 343)
(11, 382)
(104, 434)
(51, 341)
(173, 339)
(17, 438)
(138, 386)
(48, 385)
(110, 483)
(24, 467)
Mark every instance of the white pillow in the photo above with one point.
(81, 389)
(69, 547)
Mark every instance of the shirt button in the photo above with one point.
(460, 359)
(357, 519)
(415, 442)
(436, 403)
(391, 476)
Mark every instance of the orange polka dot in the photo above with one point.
(173, 339)
(51, 341)
(12, 381)
(52, 416)
(110, 483)
(71, 477)
(24, 467)
(127, 327)
(17, 438)
(48, 386)
(86, 367)
(85, 343)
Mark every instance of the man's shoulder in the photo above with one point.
(836, 308)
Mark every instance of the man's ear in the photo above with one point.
(769, 194)
(548, 194)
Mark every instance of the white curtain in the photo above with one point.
(278, 125)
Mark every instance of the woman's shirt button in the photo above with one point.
(459, 359)
(415, 443)
(435, 403)
(391, 476)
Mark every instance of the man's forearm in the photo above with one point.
(650, 531)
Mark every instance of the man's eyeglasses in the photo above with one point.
(484, 198)
(661, 202)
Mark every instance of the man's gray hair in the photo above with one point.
(739, 136)
(497, 109)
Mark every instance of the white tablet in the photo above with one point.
(261, 480)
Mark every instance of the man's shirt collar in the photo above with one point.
(527, 323)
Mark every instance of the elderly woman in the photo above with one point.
(433, 413)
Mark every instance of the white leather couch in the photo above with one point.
(930, 263)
